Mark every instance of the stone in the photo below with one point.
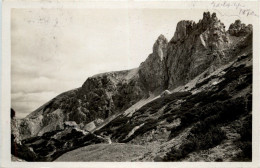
(151, 70)
(165, 93)
(196, 47)
(183, 29)
(239, 29)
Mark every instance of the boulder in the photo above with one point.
(165, 93)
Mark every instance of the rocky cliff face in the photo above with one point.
(151, 71)
(208, 121)
(194, 49)
(239, 29)
(99, 97)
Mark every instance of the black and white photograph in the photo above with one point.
(134, 83)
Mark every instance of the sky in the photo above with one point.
(56, 50)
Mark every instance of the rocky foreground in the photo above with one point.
(190, 100)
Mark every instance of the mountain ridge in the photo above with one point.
(194, 49)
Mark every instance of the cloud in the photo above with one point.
(31, 85)
(25, 103)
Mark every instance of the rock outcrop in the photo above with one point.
(15, 135)
(239, 29)
(194, 48)
(52, 144)
(151, 70)
(93, 124)
(99, 97)
(183, 29)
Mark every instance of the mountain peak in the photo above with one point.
(239, 29)
(183, 29)
(161, 37)
(209, 18)
(160, 46)
(206, 15)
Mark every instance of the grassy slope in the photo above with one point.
(104, 152)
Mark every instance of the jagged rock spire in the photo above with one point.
(151, 70)
(239, 29)
(183, 29)
(160, 46)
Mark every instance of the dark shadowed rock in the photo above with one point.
(99, 97)
(196, 47)
(183, 29)
(151, 70)
(239, 29)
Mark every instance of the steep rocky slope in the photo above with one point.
(211, 121)
(198, 46)
(51, 145)
(151, 71)
(99, 97)
(209, 73)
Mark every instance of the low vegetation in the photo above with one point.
(200, 138)
(207, 133)
(245, 141)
